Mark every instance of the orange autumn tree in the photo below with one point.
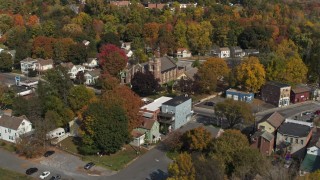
(43, 47)
(18, 20)
(33, 20)
(130, 102)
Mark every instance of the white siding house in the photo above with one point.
(91, 77)
(27, 64)
(12, 127)
(183, 53)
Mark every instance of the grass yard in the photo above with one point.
(118, 160)
(11, 175)
(7, 146)
(172, 154)
(114, 162)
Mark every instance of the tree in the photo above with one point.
(207, 168)
(313, 176)
(78, 53)
(248, 162)
(210, 71)
(226, 146)
(6, 22)
(112, 59)
(128, 100)
(199, 36)
(182, 168)
(145, 84)
(186, 85)
(33, 20)
(61, 49)
(133, 30)
(110, 38)
(196, 139)
(104, 129)
(43, 47)
(151, 33)
(79, 97)
(179, 32)
(6, 62)
(174, 141)
(251, 74)
(234, 112)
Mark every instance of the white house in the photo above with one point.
(224, 52)
(183, 53)
(91, 63)
(56, 133)
(28, 64)
(43, 65)
(126, 45)
(138, 138)
(73, 69)
(129, 53)
(91, 77)
(12, 127)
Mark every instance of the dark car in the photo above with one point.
(31, 170)
(48, 153)
(56, 177)
(317, 112)
(89, 165)
(209, 103)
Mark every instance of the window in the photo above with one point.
(301, 141)
(5, 131)
(9, 130)
(291, 140)
(297, 141)
(0, 134)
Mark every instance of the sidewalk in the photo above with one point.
(285, 107)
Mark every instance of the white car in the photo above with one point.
(44, 175)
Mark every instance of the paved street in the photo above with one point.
(9, 78)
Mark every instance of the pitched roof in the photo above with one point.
(294, 129)
(89, 60)
(167, 64)
(68, 65)
(278, 84)
(300, 89)
(147, 123)
(266, 135)
(11, 122)
(177, 100)
(136, 134)
(182, 49)
(191, 72)
(94, 73)
(120, 3)
(44, 62)
(274, 119)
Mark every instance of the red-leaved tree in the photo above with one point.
(112, 59)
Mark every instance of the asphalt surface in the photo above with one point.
(9, 78)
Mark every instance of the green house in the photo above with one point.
(151, 129)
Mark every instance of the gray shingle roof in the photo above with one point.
(274, 119)
(11, 122)
(293, 129)
(167, 64)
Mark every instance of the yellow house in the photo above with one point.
(271, 122)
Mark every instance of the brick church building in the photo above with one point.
(163, 68)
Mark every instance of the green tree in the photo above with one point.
(182, 168)
(6, 62)
(145, 84)
(107, 128)
(207, 168)
(251, 74)
(234, 112)
(79, 97)
(199, 36)
(179, 32)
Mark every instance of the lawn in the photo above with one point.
(114, 162)
(7, 146)
(172, 154)
(11, 175)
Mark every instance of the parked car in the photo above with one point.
(56, 177)
(45, 174)
(307, 113)
(31, 170)
(89, 165)
(48, 153)
(209, 103)
(317, 112)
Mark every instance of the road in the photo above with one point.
(9, 78)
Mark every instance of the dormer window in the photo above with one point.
(22, 123)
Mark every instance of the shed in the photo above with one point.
(239, 95)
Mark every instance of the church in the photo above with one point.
(163, 68)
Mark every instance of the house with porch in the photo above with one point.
(236, 52)
(91, 77)
(28, 64)
(150, 128)
(44, 65)
(276, 93)
(223, 52)
(152, 109)
(11, 127)
(293, 137)
(175, 113)
(91, 63)
(72, 69)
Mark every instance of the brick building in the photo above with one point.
(276, 93)
(300, 94)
